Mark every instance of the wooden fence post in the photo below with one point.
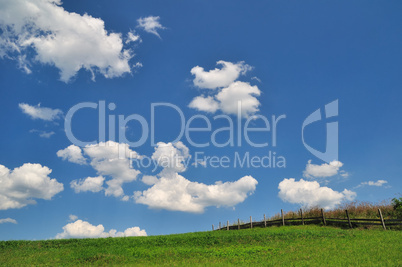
(323, 217)
(227, 226)
(265, 221)
(238, 224)
(251, 223)
(219, 225)
(301, 214)
(347, 215)
(212, 227)
(283, 218)
(382, 220)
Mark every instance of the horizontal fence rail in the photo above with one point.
(347, 221)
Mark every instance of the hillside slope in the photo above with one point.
(295, 245)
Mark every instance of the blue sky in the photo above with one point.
(278, 58)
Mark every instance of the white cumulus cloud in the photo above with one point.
(83, 229)
(323, 170)
(72, 154)
(202, 103)
(92, 184)
(168, 190)
(150, 24)
(8, 220)
(132, 37)
(149, 179)
(311, 194)
(38, 112)
(21, 186)
(222, 194)
(66, 40)
(239, 95)
(229, 96)
(172, 157)
(172, 191)
(219, 77)
(179, 194)
(110, 160)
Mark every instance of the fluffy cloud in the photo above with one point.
(174, 192)
(323, 170)
(239, 92)
(206, 104)
(113, 159)
(73, 154)
(222, 194)
(22, 185)
(238, 96)
(228, 92)
(83, 229)
(149, 179)
(8, 220)
(110, 159)
(349, 194)
(179, 194)
(150, 24)
(92, 184)
(310, 194)
(379, 183)
(171, 157)
(168, 190)
(219, 77)
(132, 37)
(38, 112)
(67, 40)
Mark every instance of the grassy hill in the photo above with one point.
(293, 245)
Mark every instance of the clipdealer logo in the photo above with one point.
(242, 130)
(332, 146)
(238, 133)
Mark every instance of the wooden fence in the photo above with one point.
(347, 221)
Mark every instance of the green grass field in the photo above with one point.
(293, 245)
